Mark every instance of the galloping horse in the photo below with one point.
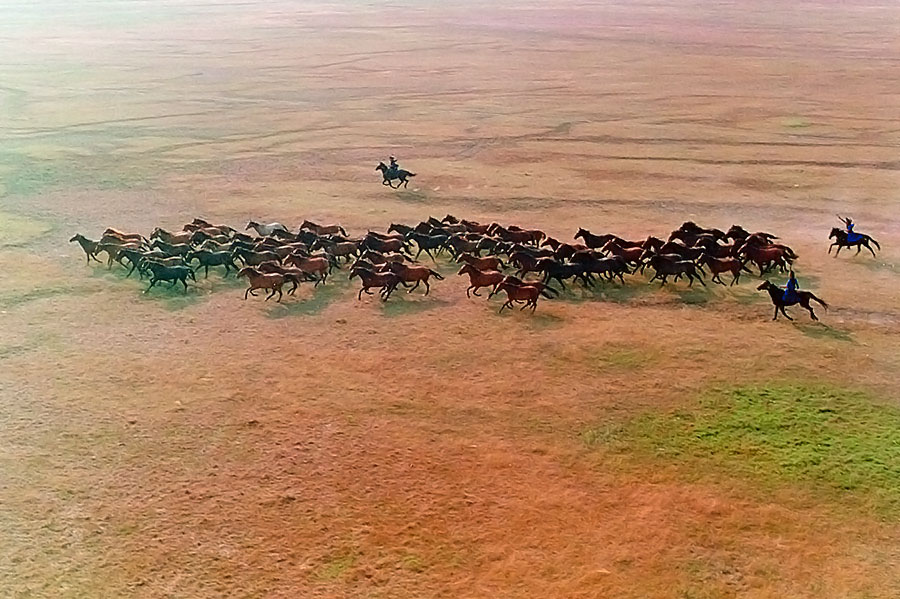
(841, 241)
(390, 175)
(266, 230)
(89, 246)
(776, 294)
(258, 280)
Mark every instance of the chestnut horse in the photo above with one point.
(414, 274)
(480, 278)
(528, 294)
(270, 282)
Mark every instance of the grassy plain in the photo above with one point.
(635, 442)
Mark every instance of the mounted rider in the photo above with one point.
(393, 167)
(790, 290)
(852, 236)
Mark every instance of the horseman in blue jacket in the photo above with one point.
(852, 237)
(790, 290)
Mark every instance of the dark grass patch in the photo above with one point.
(12, 300)
(830, 440)
(17, 230)
(411, 197)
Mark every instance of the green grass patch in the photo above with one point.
(839, 441)
(335, 567)
(18, 230)
(796, 123)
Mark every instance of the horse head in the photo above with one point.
(835, 232)
(76, 237)
(251, 224)
(381, 167)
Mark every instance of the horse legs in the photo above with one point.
(809, 307)
(868, 247)
(246, 292)
(776, 313)
(207, 271)
(414, 287)
(359, 295)
(785, 313)
(700, 278)
(737, 277)
(470, 288)
(858, 249)
(838, 250)
(152, 283)
(427, 286)
(184, 282)
(508, 304)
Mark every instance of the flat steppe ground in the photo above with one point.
(630, 442)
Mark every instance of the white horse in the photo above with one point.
(266, 230)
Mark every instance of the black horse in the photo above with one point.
(776, 294)
(390, 174)
(841, 241)
(160, 272)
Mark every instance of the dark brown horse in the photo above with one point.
(776, 294)
(841, 241)
(387, 281)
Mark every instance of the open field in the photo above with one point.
(635, 443)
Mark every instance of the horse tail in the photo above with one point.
(872, 239)
(436, 274)
(343, 232)
(410, 174)
(813, 297)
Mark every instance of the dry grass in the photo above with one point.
(201, 446)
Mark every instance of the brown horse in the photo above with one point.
(89, 246)
(528, 294)
(480, 278)
(414, 274)
(294, 275)
(764, 257)
(317, 266)
(323, 229)
(272, 282)
(135, 237)
(486, 263)
(173, 238)
(631, 255)
(720, 265)
(776, 294)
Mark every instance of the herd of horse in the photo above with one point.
(524, 264)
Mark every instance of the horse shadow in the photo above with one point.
(320, 298)
(820, 330)
(397, 306)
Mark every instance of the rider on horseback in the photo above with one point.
(790, 290)
(852, 236)
(393, 167)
